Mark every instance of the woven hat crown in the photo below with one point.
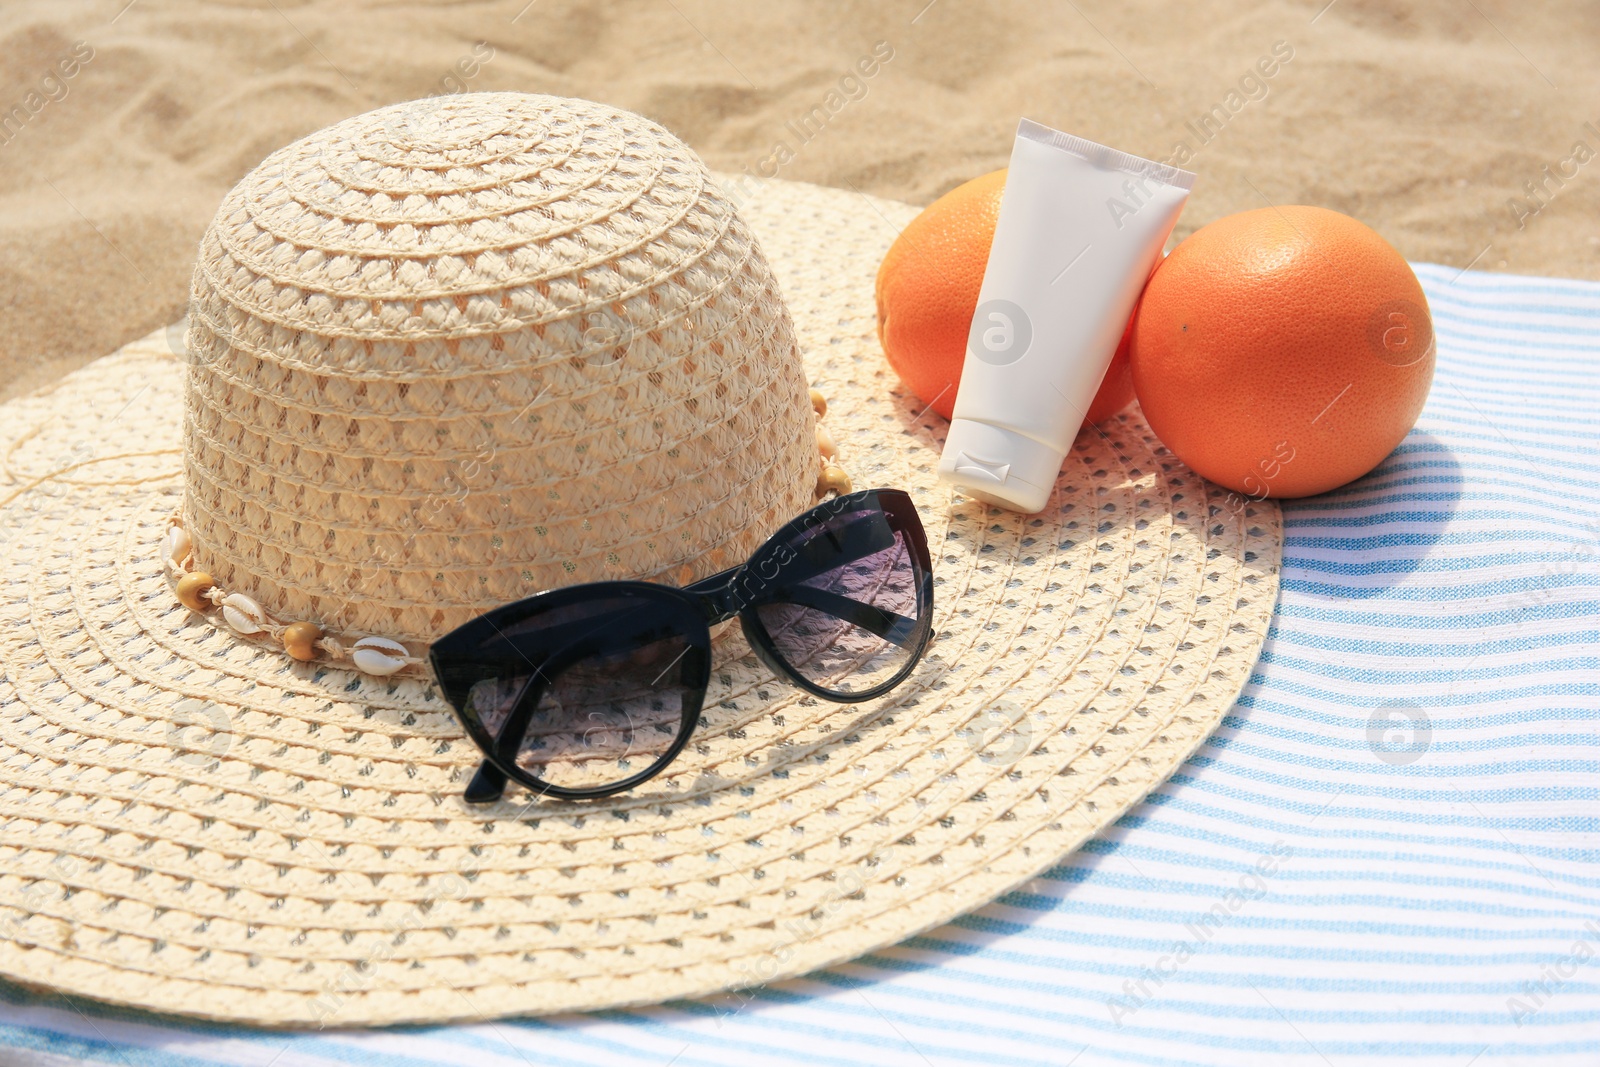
(450, 353)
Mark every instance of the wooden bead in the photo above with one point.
(300, 640)
(819, 403)
(825, 443)
(833, 480)
(192, 590)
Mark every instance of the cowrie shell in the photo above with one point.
(378, 655)
(177, 544)
(825, 443)
(243, 614)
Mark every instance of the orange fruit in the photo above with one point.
(1282, 352)
(927, 291)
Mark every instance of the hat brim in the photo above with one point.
(192, 824)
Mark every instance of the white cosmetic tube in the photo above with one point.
(1080, 229)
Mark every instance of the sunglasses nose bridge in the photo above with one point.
(719, 596)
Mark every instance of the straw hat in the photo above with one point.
(444, 355)
(448, 354)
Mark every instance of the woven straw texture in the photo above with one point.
(194, 824)
(450, 353)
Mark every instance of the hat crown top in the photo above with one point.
(452, 352)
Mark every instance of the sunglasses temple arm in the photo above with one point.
(860, 538)
(487, 786)
(885, 624)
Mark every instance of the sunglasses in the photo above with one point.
(592, 689)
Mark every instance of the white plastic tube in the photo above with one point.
(1080, 228)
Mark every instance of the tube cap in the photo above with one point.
(1000, 466)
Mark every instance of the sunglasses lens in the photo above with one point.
(602, 697)
(847, 613)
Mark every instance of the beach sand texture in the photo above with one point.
(1426, 120)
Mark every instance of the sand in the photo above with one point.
(1425, 120)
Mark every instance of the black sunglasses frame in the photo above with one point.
(459, 663)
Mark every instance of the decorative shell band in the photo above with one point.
(368, 653)
(304, 641)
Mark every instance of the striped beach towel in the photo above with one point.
(1387, 853)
